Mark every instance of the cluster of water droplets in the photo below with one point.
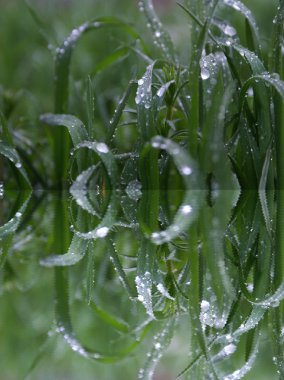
(75, 344)
(134, 190)
(71, 40)
(208, 68)
(161, 38)
(160, 342)
(144, 290)
(1, 190)
(98, 233)
(79, 190)
(144, 90)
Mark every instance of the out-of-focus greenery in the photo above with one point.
(157, 239)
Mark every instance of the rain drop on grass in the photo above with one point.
(205, 74)
(102, 232)
(102, 148)
(230, 31)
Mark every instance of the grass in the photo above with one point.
(173, 146)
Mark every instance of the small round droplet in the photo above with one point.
(205, 74)
(186, 170)
(230, 31)
(102, 232)
(186, 209)
(102, 148)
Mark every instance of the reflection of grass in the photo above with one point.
(198, 129)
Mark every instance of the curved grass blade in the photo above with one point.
(11, 153)
(64, 325)
(188, 210)
(77, 131)
(79, 190)
(64, 55)
(12, 225)
(241, 372)
(62, 69)
(102, 150)
(76, 128)
(251, 26)
(76, 252)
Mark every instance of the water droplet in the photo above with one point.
(186, 209)
(102, 148)
(102, 232)
(186, 170)
(229, 349)
(204, 306)
(133, 190)
(230, 31)
(205, 74)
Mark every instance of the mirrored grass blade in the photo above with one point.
(11, 153)
(76, 129)
(76, 252)
(11, 226)
(62, 70)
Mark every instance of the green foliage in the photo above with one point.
(174, 163)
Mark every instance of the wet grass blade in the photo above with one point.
(160, 35)
(161, 341)
(76, 252)
(12, 225)
(251, 26)
(119, 269)
(11, 153)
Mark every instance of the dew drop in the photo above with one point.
(102, 232)
(186, 209)
(102, 148)
(186, 170)
(230, 31)
(205, 74)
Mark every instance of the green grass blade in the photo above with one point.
(161, 37)
(161, 341)
(76, 252)
(110, 319)
(251, 26)
(11, 153)
(12, 225)
(189, 209)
